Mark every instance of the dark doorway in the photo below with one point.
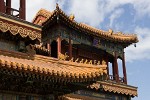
(54, 49)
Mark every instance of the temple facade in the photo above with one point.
(56, 58)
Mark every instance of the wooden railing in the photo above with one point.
(113, 78)
(13, 11)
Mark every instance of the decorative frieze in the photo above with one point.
(16, 29)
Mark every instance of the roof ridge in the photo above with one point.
(42, 12)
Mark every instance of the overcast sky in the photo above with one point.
(128, 16)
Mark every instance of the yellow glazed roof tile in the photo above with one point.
(54, 67)
(115, 88)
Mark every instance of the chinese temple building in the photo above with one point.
(56, 58)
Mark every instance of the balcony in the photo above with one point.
(112, 78)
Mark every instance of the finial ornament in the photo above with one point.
(135, 45)
(98, 63)
(95, 62)
(81, 60)
(57, 6)
(77, 60)
(103, 62)
(71, 17)
(110, 31)
(86, 61)
(119, 33)
(62, 56)
(71, 60)
(90, 62)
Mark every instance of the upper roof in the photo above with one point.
(48, 17)
(44, 14)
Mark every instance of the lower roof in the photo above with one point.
(115, 88)
(51, 67)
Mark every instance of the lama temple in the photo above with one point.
(56, 58)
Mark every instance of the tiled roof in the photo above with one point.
(52, 67)
(69, 20)
(115, 88)
(44, 13)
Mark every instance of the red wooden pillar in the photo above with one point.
(2, 6)
(58, 45)
(124, 69)
(48, 46)
(116, 68)
(22, 9)
(70, 49)
(8, 7)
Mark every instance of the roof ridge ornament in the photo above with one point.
(71, 17)
(57, 6)
(120, 33)
(57, 12)
(110, 31)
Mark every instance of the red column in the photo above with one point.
(58, 45)
(124, 69)
(22, 9)
(116, 68)
(2, 6)
(8, 7)
(48, 46)
(70, 49)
